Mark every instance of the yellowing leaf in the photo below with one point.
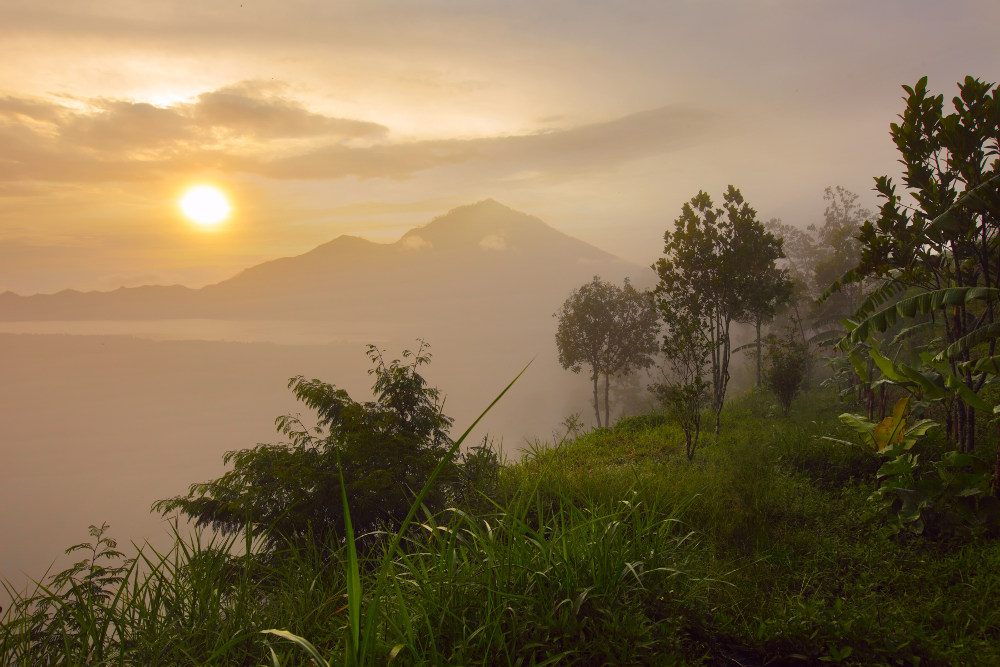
(890, 430)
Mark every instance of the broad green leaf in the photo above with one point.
(887, 367)
(970, 340)
(901, 465)
(860, 367)
(920, 304)
(966, 394)
(928, 381)
(865, 428)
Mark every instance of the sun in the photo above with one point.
(205, 206)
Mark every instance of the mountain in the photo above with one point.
(476, 263)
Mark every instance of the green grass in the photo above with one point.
(610, 549)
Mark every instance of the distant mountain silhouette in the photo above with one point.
(473, 264)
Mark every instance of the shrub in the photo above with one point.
(385, 450)
(787, 364)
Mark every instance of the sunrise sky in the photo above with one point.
(318, 118)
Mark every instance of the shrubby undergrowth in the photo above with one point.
(611, 548)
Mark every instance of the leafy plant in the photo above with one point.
(385, 450)
(684, 392)
(361, 645)
(72, 614)
(718, 266)
(947, 496)
(611, 329)
(786, 367)
(945, 248)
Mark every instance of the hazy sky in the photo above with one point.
(320, 118)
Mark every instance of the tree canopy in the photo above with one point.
(718, 266)
(610, 329)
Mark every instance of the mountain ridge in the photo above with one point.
(483, 249)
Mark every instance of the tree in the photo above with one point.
(611, 329)
(385, 450)
(816, 256)
(940, 257)
(710, 277)
(684, 390)
(765, 287)
(838, 249)
(787, 366)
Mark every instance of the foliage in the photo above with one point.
(683, 391)
(684, 402)
(765, 288)
(477, 486)
(787, 363)
(611, 329)
(941, 257)
(820, 254)
(638, 423)
(72, 614)
(607, 549)
(946, 496)
(384, 449)
(718, 267)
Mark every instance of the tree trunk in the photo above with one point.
(798, 320)
(607, 409)
(597, 405)
(759, 385)
(996, 469)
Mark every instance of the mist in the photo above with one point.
(111, 401)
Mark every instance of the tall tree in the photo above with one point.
(709, 275)
(764, 286)
(838, 250)
(611, 329)
(818, 255)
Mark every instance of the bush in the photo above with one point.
(786, 366)
(385, 449)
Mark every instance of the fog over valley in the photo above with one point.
(121, 398)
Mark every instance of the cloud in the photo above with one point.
(253, 128)
(586, 147)
(493, 242)
(243, 109)
(414, 242)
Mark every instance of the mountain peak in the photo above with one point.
(486, 224)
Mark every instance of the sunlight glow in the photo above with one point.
(205, 205)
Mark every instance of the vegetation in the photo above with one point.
(787, 363)
(385, 449)
(803, 536)
(611, 329)
(684, 391)
(941, 258)
(820, 254)
(609, 548)
(718, 267)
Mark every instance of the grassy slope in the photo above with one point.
(808, 571)
(611, 549)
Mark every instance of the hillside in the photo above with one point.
(610, 548)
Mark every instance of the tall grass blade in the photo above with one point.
(304, 643)
(353, 578)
